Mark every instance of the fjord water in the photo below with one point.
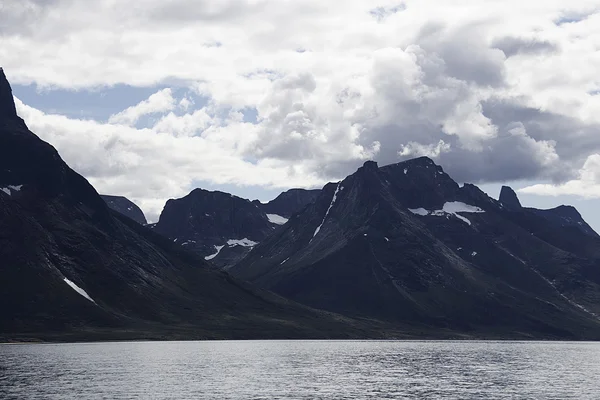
(301, 370)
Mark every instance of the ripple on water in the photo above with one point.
(301, 370)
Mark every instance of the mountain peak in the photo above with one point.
(370, 165)
(509, 198)
(423, 160)
(7, 102)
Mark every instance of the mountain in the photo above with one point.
(219, 226)
(126, 207)
(289, 202)
(509, 198)
(72, 269)
(406, 244)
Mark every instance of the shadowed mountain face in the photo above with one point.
(126, 207)
(509, 198)
(404, 243)
(74, 270)
(220, 227)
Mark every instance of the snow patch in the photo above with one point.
(333, 199)
(419, 211)
(78, 290)
(405, 171)
(218, 248)
(457, 206)
(16, 188)
(243, 242)
(277, 219)
(386, 239)
(450, 208)
(283, 262)
(473, 254)
(6, 190)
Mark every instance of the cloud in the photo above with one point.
(512, 46)
(587, 185)
(151, 165)
(413, 149)
(159, 102)
(494, 93)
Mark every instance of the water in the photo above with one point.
(301, 370)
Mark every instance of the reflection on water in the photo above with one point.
(301, 370)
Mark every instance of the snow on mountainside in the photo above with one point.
(277, 219)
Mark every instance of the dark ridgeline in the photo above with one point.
(289, 202)
(406, 243)
(126, 207)
(55, 227)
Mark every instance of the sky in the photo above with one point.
(149, 99)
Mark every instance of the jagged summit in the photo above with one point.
(370, 165)
(7, 102)
(509, 198)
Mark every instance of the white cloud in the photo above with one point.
(159, 102)
(496, 89)
(587, 185)
(151, 165)
(413, 149)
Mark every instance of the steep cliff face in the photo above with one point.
(509, 198)
(405, 243)
(74, 270)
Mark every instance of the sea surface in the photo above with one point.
(301, 370)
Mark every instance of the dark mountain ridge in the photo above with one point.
(289, 202)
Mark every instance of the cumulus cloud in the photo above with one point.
(512, 46)
(586, 185)
(159, 102)
(494, 93)
(151, 165)
(413, 149)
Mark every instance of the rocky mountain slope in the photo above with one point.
(222, 227)
(126, 207)
(74, 270)
(405, 243)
